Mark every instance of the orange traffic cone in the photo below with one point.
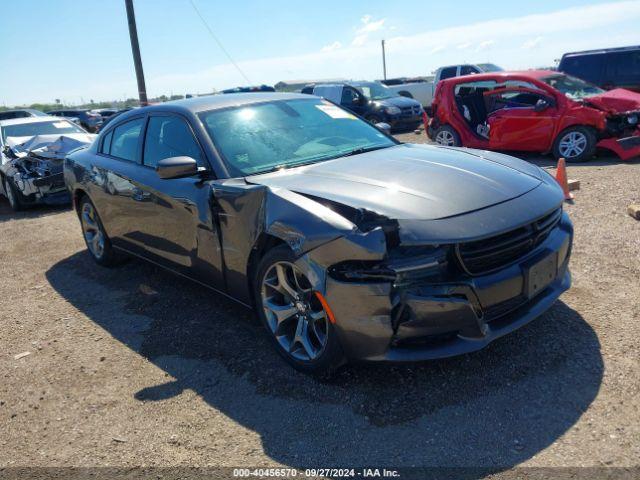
(425, 120)
(561, 178)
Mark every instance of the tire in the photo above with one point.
(287, 306)
(446, 136)
(575, 144)
(15, 198)
(372, 118)
(97, 241)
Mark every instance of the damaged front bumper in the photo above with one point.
(423, 320)
(625, 148)
(39, 188)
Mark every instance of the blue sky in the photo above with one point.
(78, 50)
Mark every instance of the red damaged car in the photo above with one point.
(535, 111)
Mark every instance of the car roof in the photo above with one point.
(213, 102)
(479, 77)
(19, 121)
(30, 110)
(602, 50)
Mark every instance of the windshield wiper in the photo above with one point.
(309, 161)
(360, 150)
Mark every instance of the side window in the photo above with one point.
(349, 96)
(468, 70)
(106, 143)
(170, 137)
(448, 72)
(586, 67)
(124, 142)
(623, 67)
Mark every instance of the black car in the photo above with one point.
(373, 101)
(21, 113)
(608, 68)
(87, 119)
(349, 244)
(252, 89)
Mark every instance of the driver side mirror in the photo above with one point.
(176, 167)
(541, 105)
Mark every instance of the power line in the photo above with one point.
(213, 35)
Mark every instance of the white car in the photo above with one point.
(32, 151)
(422, 89)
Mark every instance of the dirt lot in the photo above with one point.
(134, 366)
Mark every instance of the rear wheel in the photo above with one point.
(297, 322)
(15, 198)
(446, 136)
(575, 144)
(98, 243)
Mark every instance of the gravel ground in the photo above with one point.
(133, 366)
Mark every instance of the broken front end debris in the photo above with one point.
(34, 166)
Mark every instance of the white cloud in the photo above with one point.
(484, 45)
(367, 27)
(532, 43)
(572, 29)
(603, 25)
(332, 46)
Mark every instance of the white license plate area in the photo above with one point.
(541, 274)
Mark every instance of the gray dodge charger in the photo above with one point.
(348, 244)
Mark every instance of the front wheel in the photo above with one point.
(447, 137)
(13, 195)
(575, 144)
(297, 323)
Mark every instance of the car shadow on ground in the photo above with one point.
(35, 211)
(492, 409)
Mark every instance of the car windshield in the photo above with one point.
(374, 91)
(40, 128)
(490, 67)
(572, 87)
(269, 136)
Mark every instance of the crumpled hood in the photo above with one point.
(618, 100)
(415, 182)
(49, 145)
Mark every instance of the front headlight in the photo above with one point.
(392, 110)
(632, 119)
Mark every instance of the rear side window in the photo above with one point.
(106, 143)
(468, 70)
(586, 67)
(169, 137)
(623, 67)
(124, 143)
(448, 72)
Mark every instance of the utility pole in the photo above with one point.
(384, 62)
(135, 48)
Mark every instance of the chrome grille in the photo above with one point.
(410, 111)
(488, 254)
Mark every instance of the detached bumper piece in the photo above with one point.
(430, 321)
(626, 148)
